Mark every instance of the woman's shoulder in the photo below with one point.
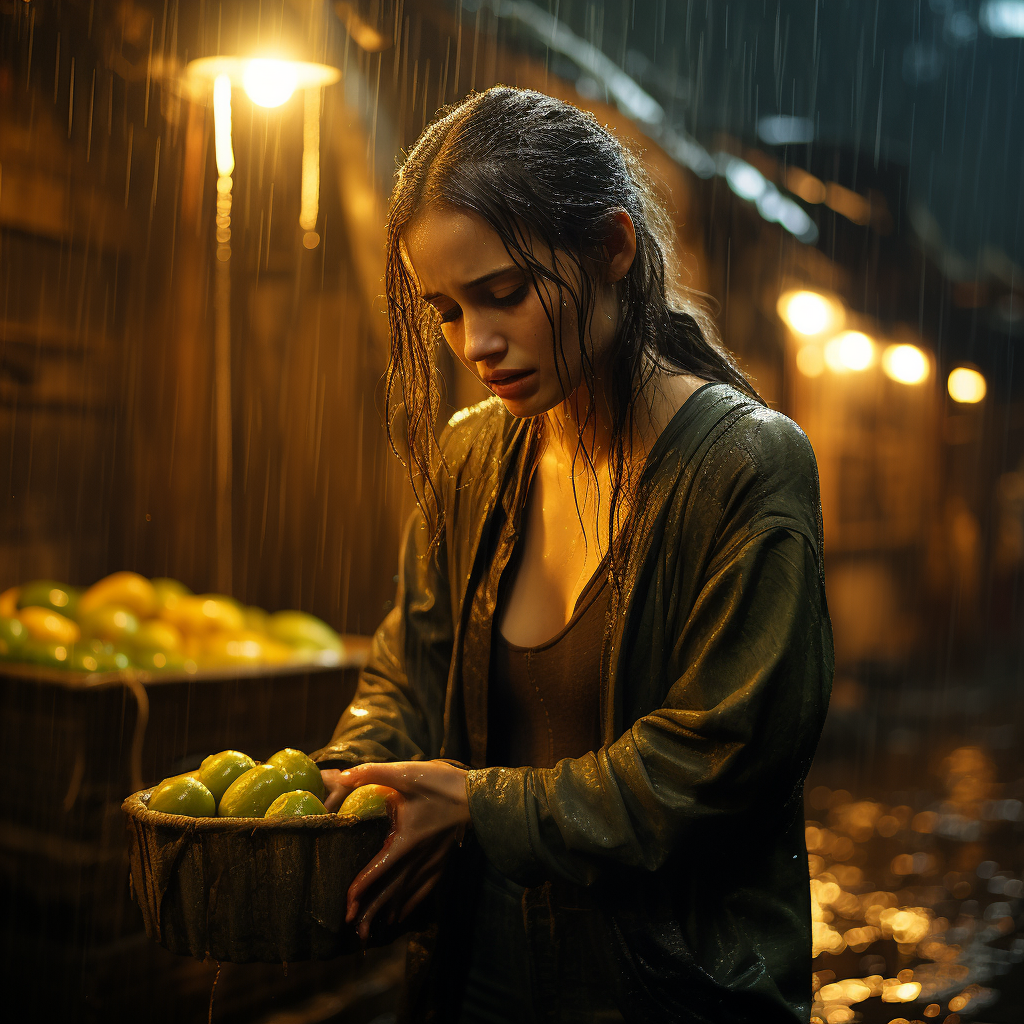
(746, 463)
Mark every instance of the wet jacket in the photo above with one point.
(677, 848)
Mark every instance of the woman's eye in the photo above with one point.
(449, 315)
(512, 299)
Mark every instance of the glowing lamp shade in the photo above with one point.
(966, 385)
(905, 363)
(851, 350)
(269, 83)
(809, 313)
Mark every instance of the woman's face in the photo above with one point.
(492, 315)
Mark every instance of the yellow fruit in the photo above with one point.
(297, 804)
(298, 629)
(300, 771)
(367, 802)
(112, 622)
(9, 602)
(229, 649)
(128, 589)
(218, 771)
(255, 619)
(168, 593)
(44, 624)
(157, 635)
(251, 794)
(183, 794)
(205, 613)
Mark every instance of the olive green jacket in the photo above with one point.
(681, 838)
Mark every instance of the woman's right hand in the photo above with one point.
(336, 788)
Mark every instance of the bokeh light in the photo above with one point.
(905, 363)
(809, 313)
(966, 385)
(851, 350)
(810, 361)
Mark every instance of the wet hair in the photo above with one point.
(541, 172)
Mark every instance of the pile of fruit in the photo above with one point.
(126, 620)
(232, 785)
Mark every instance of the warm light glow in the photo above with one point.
(810, 361)
(905, 363)
(809, 313)
(308, 75)
(310, 201)
(269, 83)
(966, 385)
(222, 125)
(851, 350)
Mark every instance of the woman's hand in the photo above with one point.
(429, 815)
(337, 788)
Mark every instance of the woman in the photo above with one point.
(609, 658)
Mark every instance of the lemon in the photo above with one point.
(44, 624)
(58, 597)
(9, 602)
(300, 771)
(12, 635)
(183, 794)
(108, 622)
(225, 649)
(155, 634)
(367, 802)
(253, 792)
(205, 613)
(168, 593)
(296, 804)
(298, 629)
(159, 661)
(126, 589)
(218, 771)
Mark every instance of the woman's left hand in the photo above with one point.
(429, 815)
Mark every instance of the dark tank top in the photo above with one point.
(543, 702)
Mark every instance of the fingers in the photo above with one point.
(336, 788)
(388, 858)
(396, 774)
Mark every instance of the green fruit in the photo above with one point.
(299, 770)
(296, 804)
(46, 653)
(58, 597)
(297, 629)
(12, 635)
(251, 794)
(218, 771)
(183, 794)
(110, 622)
(159, 661)
(367, 802)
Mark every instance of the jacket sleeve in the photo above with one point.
(735, 734)
(396, 712)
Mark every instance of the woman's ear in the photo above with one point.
(619, 247)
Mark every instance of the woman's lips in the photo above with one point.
(514, 385)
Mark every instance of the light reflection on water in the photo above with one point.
(916, 905)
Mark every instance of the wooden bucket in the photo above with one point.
(248, 889)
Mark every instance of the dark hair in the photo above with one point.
(537, 169)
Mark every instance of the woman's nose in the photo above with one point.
(482, 341)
